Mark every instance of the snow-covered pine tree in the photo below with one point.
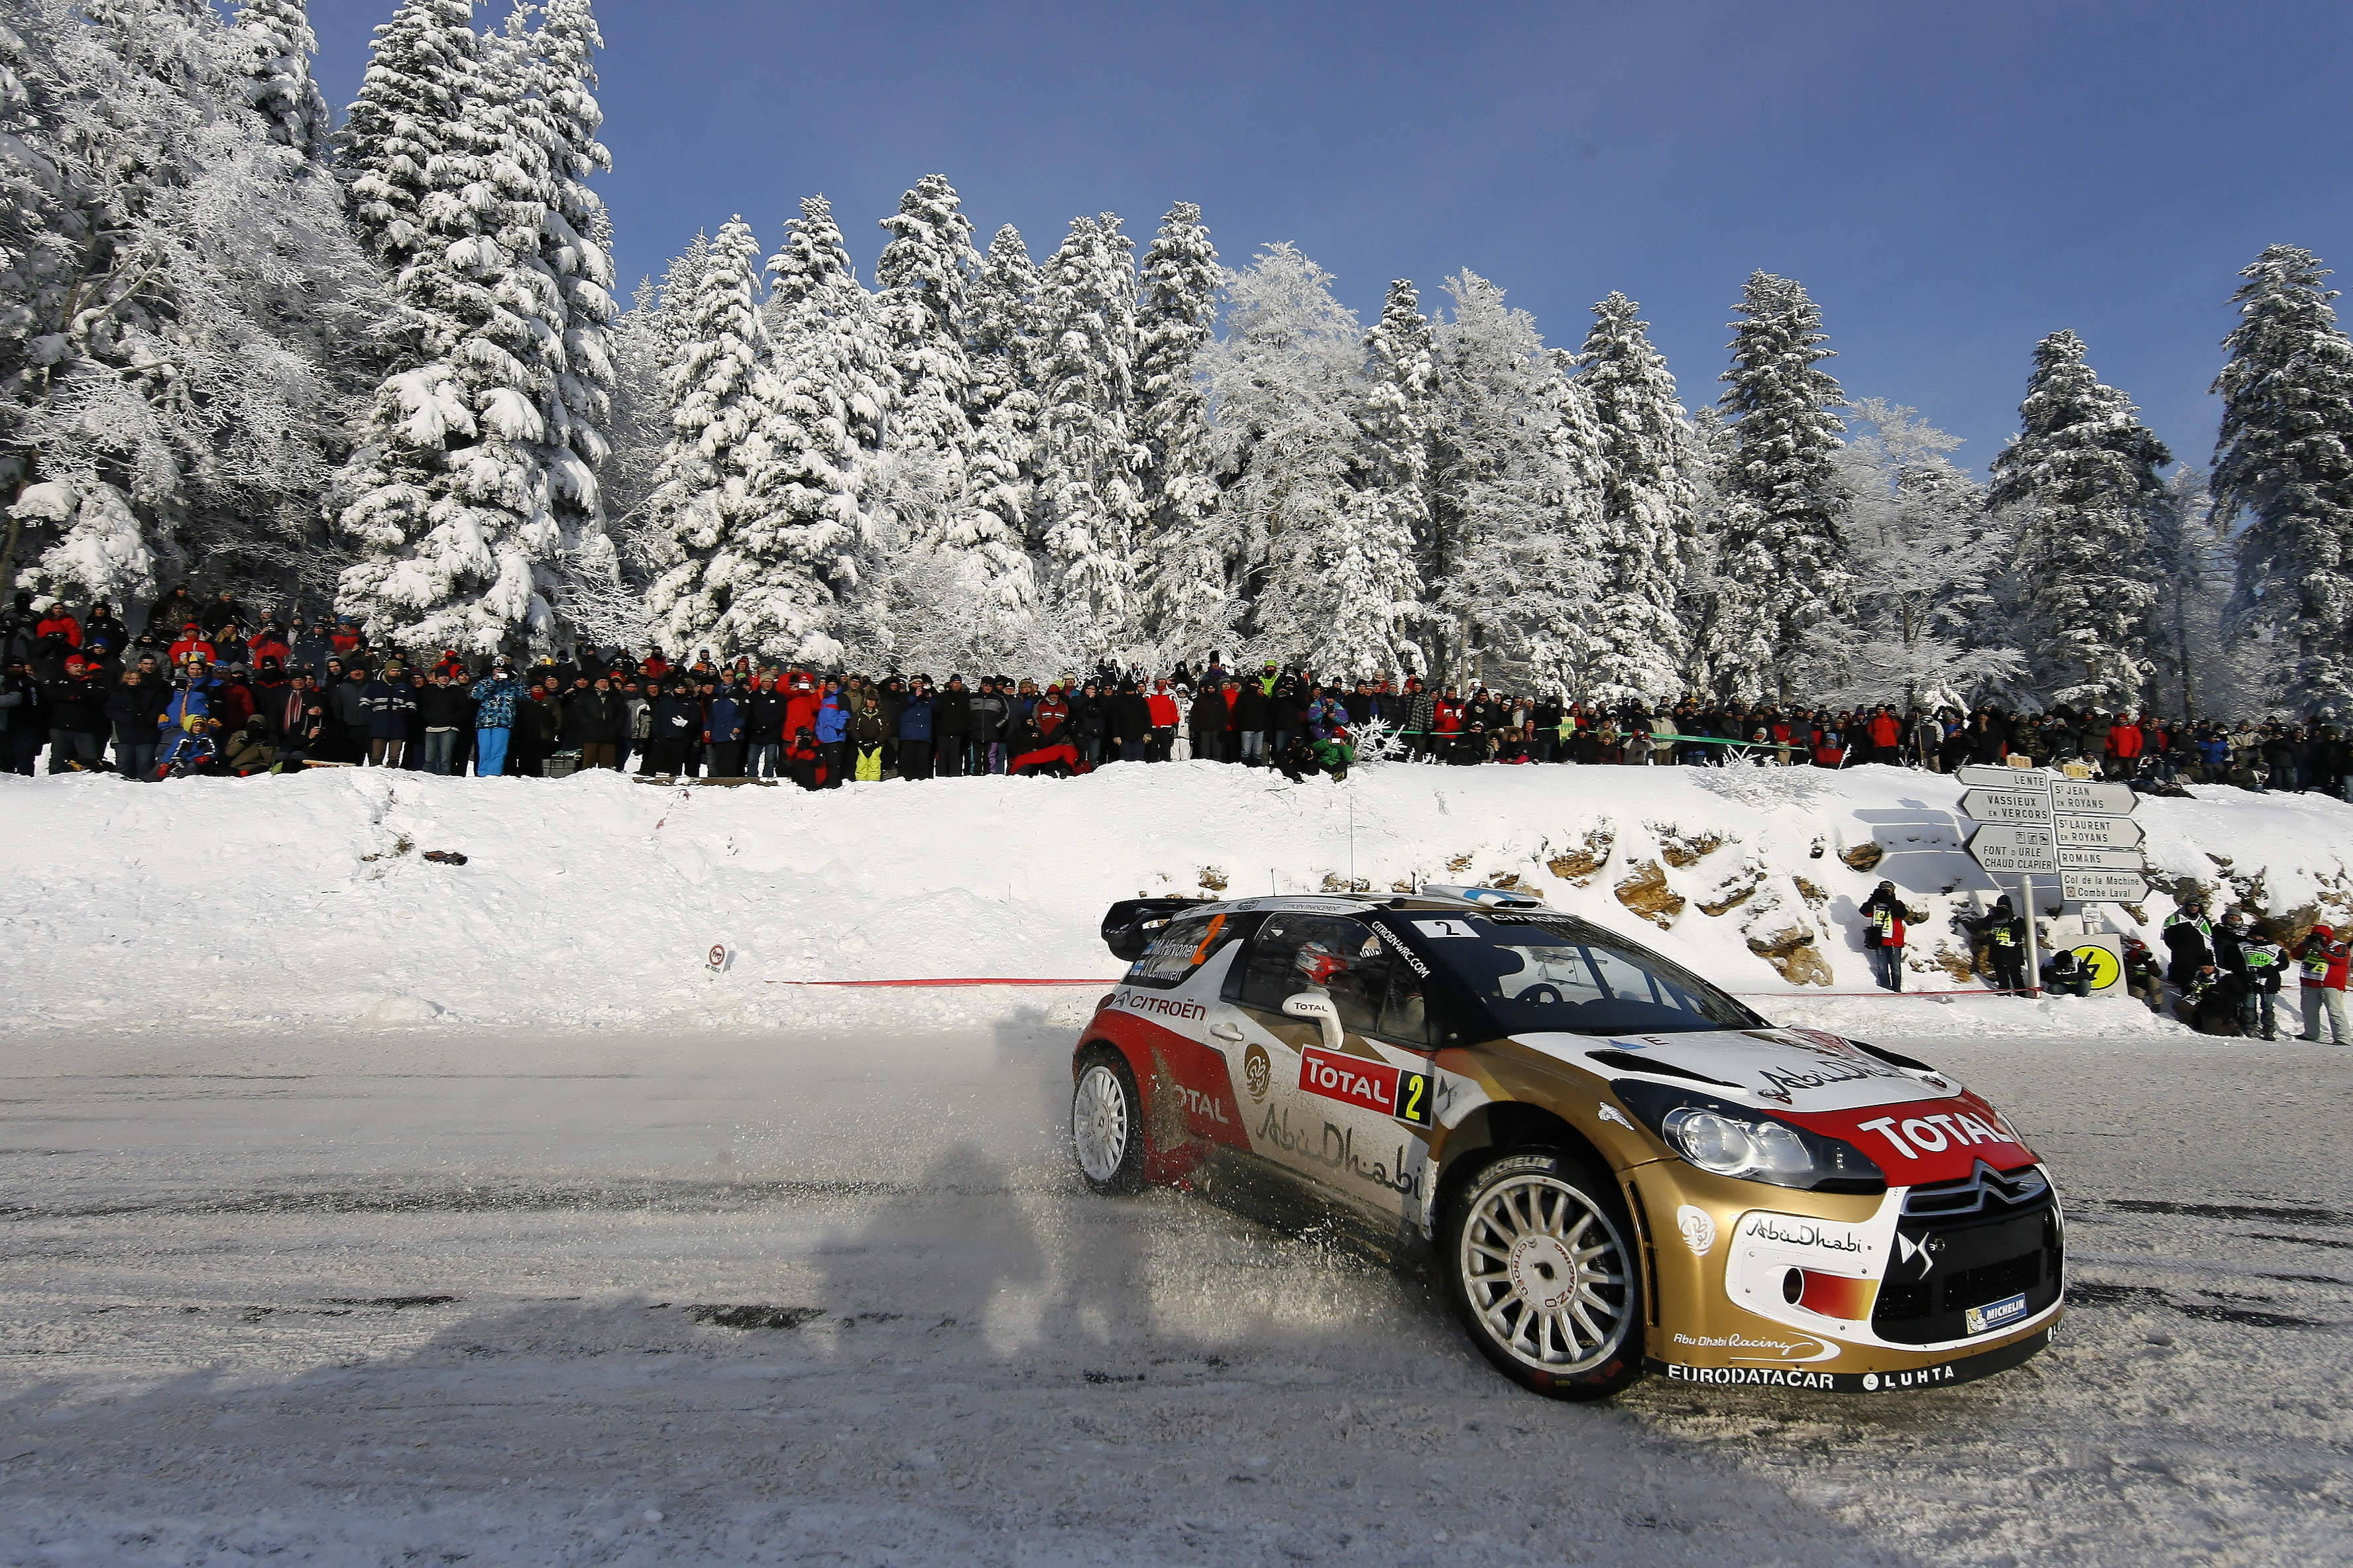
(991, 526)
(749, 491)
(1088, 505)
(2284, 463)
(558, 70)
(1186, 556)
(1648, 506)
(826, 327)
(1333, 581)
(451, 497)
(1783, 546)
(2190, 562)
(646, 341)
(179, 305)
(280, 47)
(424, 65)
(922, 276)
(1397, 393)
(1926, 555)
(1513, 517)
(2080, 485)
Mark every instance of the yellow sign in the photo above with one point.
(2100, 963)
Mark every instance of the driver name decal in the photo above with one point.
(1374, 1086)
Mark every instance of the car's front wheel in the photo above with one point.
(1541, 1264)
(1107, 1123)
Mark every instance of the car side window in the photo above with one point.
(1296, 953)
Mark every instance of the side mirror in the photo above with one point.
(1317, 1005)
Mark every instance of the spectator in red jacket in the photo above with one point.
(2124, 746)
(1161, 707)
(56, 622)
(1886, 736)
(192, 644)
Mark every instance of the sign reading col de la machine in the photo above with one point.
(2041, 824)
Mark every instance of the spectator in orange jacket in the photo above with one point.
(193, 644)
(1161, 709)
(1886, 732)
(2124, 746)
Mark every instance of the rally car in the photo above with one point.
(1620, 1167)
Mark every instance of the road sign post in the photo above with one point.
(2038, 824)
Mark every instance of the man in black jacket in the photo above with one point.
(594, 719)
(950, 723)
(77, 706)
(1253, 710)
(132, 706)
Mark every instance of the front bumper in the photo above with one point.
(1934, 1374)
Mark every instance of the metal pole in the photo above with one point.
(2033, 958)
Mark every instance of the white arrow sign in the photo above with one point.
(2006, 806)
(2093, 799)
(2021, 847)
(2103, 887)
(2097, 832)
(1985, 776)
(2074, 860)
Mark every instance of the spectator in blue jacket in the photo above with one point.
(494, 719)
(833, 731)
(915, 731)
(723, 734)
(391, 698)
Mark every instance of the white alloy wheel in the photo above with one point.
(1106, 1132)
(1544, 1271)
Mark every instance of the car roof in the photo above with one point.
(1427, 900)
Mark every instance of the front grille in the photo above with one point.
(1982, 1189)
(1946, 1263)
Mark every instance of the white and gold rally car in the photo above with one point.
(1620, 1166)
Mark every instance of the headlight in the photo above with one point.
(1734, 1141)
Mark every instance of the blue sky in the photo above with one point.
(1950, 182)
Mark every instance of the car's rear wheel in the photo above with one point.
(1541, 1266)
(1107, 1123)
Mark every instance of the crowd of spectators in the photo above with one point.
(207, 686)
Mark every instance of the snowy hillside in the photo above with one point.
(595, 900)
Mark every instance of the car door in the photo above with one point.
(1348, 1120)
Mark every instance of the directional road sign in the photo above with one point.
(2075, 860)
(2017, 848)
(2096, 832)
(2006, 806)
(2094, 799)
(2103, 887)
(1985, 776)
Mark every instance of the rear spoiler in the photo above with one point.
(1129, 926)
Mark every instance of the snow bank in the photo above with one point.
(595, 900)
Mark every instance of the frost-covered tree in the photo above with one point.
(464, 494)
(988, 536)
(183, 314)
(2080, 485)
(1925, 556)
(922, 276)
(1185, 566)
(1647, 504)
(280, 47)
(1782, 550)
(425, 67)
(2190, 564)
(751, 491)
(1332, 574)
(829, 336)
(1088, 505)
(646, 343)
(2284, 474)
(1513, 510)
(1395, 401)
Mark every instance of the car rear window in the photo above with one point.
(1183, 946)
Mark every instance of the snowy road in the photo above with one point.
(433, 1294)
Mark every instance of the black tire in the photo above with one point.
(1517, 1227)
(1107, 1122)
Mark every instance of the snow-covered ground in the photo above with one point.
(595, 900)
(430, 1295)
(359, 1210)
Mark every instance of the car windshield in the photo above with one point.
(1548, 973)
